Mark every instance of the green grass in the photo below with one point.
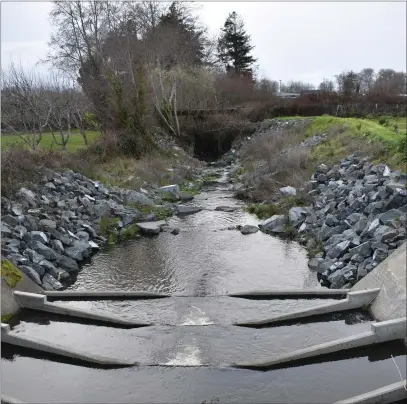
(263, 210)
(161, 212)
(354, 126)
(75, 141)
(348, 135)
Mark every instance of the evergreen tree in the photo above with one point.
(234, 45)
(188, 39)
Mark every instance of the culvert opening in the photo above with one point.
(211, 146)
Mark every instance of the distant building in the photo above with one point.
(288, 95)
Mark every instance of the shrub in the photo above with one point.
(263, 210)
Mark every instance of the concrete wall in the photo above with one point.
(390, 277)
(9, 304)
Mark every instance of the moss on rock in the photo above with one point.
(10, 273)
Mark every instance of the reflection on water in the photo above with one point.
(204, 259)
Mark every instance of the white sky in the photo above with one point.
(293, 40)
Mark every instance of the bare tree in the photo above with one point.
(25, 107)
(327, 85)
(366, 79)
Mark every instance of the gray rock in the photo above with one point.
(67, 263)
(17, 209)
(83, 235)
(27, 194)
(66, 240)
(151, 227)
(338, 250)
(322, 178)
(387, 217)
(297, 214)
(48, 278)
(249, 229)
(389, 236)
(50, 185)
(171, 189)
(31, 273)
(288, 191)
(184, 196)
(39, 236)
(79, 250)
(33, 256)
(101, 208)
(325, 265)
(394, 187)
(48, 266)
(379, 255)
(360, 226)
(5, 230)
(9, 220)
(313, 263)
(331, 220)
(41, 248)
(378, 234)
(137, 197)
(363, 250)
(275, 224)
(226, 208)
(48, 223)
(19, 232)
(396, 201)
(187, 210)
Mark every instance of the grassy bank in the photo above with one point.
(75, 142)
(277, 158)
(348, 135)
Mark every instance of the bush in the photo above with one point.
(263, 210)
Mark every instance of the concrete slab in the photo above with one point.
(8, 337)
(39, 302)
(380, 332)
(9, 400)
(354, 300)
(390, 276)
(95, 294)
(384, 395)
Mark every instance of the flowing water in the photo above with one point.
(186, 355)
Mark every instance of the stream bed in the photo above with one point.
(186, 355)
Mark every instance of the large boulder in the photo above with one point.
(187, 210)
(134, 197)
(297, 214)
(249, 229)
(288, 191)
(275, 224)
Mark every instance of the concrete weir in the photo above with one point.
(390, 276)
(9, 337)
(354, 300)
(39, 302)
(380, 332)
(384, 395)
(292, 293)
(98, 294)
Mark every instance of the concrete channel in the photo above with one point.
(354, 300)
(7, 336)
(385, 395)
(39, 302)
(380, 332)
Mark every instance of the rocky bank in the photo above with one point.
(356, 217)
(49, 228)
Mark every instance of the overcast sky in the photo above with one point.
(293, 40)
